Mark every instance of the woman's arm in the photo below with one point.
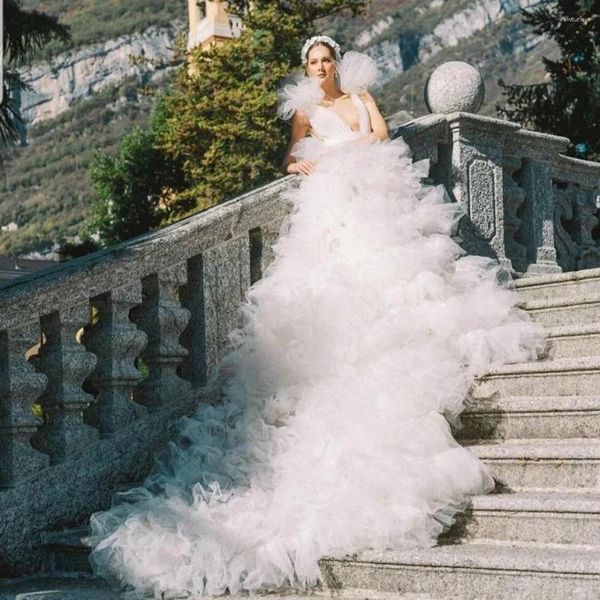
(377, 121)
(300, 129)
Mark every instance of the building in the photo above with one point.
(211, 24)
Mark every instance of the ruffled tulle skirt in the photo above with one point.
(360, 343)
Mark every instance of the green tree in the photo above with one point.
(25, 33)
(568, 103)
(222, 120)
(218, 120)
(133, 189)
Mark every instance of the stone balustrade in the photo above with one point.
(111, 349)
(525, 204)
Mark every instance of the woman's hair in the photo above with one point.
(329, 46)
(321, 40)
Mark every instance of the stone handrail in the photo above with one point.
(74, 339)
(98, 314)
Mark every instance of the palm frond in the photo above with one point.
(26, 32)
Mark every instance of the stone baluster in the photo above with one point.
(577, 212)
(194, 366)
(20, 387)
(117, 343)
(66, 364)
(475, 178)
(217, 286)
(538, 151)
(567, 251)
(514, 198)
(587, 217)
(539, 217)
(163, 319)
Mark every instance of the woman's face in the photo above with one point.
(320, 63)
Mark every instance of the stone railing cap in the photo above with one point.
(420, 125)
(480, 121)
(538, 141)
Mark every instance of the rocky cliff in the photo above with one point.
(397, 45)
(394, 43)
(73, 76)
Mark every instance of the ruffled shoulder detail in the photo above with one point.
(357, 72)
(302, 93)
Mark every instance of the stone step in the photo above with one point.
(78, 588)
(548, 517)
(562, 377)
(560, 285)
(556, 312)
(65, 551)
(57, 588)
(542, 517)
(543, 464)
(522, 417)
(573, 341)
(474, 571)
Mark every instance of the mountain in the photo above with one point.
(408, 39)
(86, 96)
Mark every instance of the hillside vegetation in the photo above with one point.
(93, 21)
(45, 187)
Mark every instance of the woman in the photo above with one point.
(320, 60)
(359, 343)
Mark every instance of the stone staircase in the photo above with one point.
(537, 425)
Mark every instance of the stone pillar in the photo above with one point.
(539, 216)
(476, 182)
(66, 364)
(216, 288)
(20, 386)
(226, 280)
(117, 343)
(195, 364)
(163, 319)
(262, 239)
(538, 151)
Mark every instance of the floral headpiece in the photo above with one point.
(324, 39)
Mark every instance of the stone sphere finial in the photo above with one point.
(454, 86)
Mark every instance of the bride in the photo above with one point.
(360, 344)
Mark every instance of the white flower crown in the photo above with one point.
(310, 42)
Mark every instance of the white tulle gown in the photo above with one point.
(361, 340)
